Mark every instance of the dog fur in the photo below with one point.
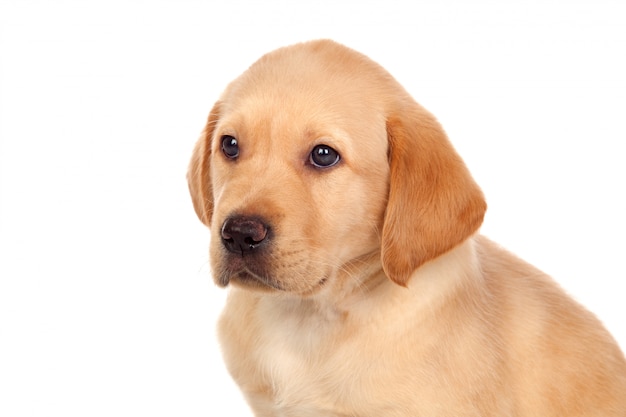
(367, 290)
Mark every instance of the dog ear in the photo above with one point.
(434, 203)
(198, 174)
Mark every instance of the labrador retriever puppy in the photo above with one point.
(346, 225)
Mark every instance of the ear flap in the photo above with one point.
(434, 204)
(198, 174)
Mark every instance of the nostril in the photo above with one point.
(226, 232)
(243, 234)
(251, 241)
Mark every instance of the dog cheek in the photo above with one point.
(351, 217)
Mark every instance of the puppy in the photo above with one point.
(346, 225)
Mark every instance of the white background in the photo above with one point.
(106, 302)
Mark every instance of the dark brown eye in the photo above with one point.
(323, 156)
(230, 146)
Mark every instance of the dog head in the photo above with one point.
(315, 159)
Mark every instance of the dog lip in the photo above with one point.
(246, 276)
(224, 280)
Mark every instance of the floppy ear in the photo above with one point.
(198, 174)
(434, 204)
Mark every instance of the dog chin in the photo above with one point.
(249, 280)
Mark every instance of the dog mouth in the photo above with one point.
(256, 271)
(250, 278)
(247, 277)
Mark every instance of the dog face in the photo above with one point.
(315, 160)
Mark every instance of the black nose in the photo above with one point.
(244, 234)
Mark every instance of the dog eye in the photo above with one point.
(230, 146)
(323, 156)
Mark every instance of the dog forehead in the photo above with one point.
(321, 73)
(307, 92)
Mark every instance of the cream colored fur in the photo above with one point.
(375, 296)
